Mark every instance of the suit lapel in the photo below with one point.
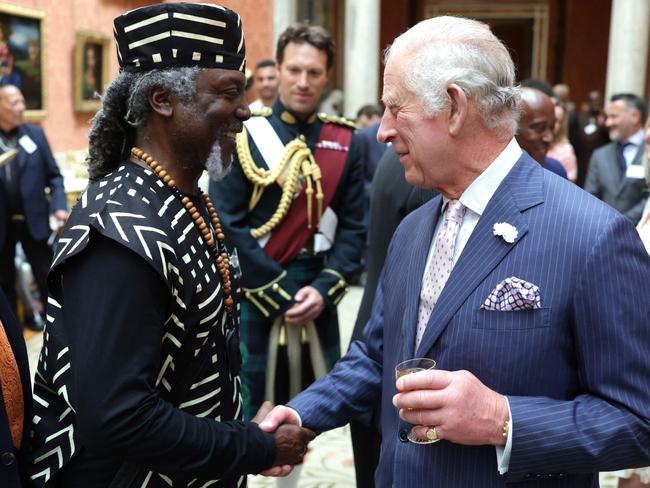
(521, 189)
(416, 265)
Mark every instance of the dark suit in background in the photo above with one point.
(25, 209)
(588, 134)
(606, 181)
(391, 199)
(373, 150)
(11, 458)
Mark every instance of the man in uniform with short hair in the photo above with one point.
(293, 209)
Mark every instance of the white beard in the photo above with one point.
(214, 164)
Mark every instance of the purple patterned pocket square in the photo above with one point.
(513, 294)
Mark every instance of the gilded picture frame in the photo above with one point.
(22, 55)
(91, 70)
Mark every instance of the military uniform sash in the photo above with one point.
(266, 140)
(293, 233)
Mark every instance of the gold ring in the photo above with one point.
(431, 434)
(304, 451)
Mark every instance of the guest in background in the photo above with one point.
(561, 149)
(535, 129)
(265, 83)
(368, 118)
(562, 94)
(590, 134)
(368, 115)
(26, 170)
(294, 270)
(616, 173)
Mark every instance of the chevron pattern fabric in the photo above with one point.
(134, 208)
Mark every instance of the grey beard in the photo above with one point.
(214, 164)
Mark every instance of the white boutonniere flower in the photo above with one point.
(505, 230)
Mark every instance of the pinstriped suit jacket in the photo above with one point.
(576, 371)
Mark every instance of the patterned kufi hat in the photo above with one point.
(170, 35)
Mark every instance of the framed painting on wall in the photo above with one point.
(22, 55)
(91, 70)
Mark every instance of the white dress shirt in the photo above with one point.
(478, 195)
(476, 198)
(634, 144)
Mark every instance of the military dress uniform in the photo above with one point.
(271, 205)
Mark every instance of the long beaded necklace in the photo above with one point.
(218, 248)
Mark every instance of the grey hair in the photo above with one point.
(125, 112)
(446, 50)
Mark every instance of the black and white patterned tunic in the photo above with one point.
(133, 207)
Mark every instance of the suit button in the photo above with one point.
(403, 436)
(7, 458)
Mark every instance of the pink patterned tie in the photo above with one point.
(442, 261)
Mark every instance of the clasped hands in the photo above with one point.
(290, 439)
(462, 409)
(309, 305)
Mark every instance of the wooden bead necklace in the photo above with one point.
(218, 248)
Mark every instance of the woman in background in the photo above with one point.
(561, 149)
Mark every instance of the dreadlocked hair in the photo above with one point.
(125, 112)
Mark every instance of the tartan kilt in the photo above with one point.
(255, 329)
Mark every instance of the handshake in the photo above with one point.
(290, 439)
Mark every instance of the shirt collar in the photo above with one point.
(479, 193)
(636, 138)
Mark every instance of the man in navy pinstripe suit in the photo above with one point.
(540, 329)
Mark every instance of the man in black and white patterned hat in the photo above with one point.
(138, 380)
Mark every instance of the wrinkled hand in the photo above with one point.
(278, 416)
(462, 409)
(309, 305)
